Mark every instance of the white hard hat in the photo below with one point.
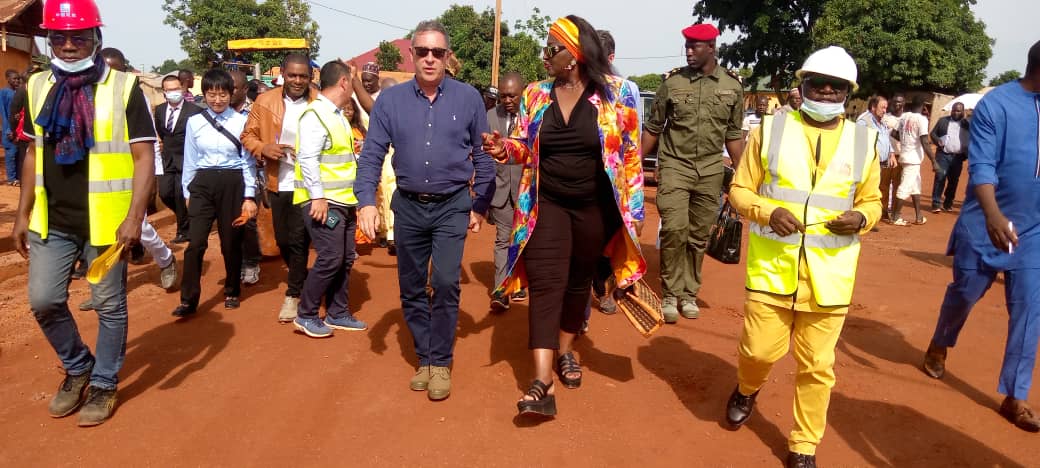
(831, 61)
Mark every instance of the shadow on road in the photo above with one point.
(378, 332)
(863, 335)
(898, 435)
(703, 383)
(185, 344)
(939, 259)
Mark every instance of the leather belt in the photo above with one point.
(428, 197)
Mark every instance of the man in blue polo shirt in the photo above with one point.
(999, 230)
(435, 125)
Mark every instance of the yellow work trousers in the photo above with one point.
(387, 186)
(768, 331)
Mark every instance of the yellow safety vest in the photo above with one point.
(338, 163)
(788, 182)
(110, 166)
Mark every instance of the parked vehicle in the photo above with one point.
(649, 160)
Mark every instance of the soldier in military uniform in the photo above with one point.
(697, 110)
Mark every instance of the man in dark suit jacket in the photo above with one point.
(502, 119)
(171, 118)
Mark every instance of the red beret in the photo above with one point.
(701, 32)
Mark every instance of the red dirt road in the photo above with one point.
(235, 388)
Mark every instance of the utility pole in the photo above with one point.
(497, 44)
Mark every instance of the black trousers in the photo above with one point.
(216, 195)
(251, 254)
(172, 196)
(561, 260)
(290, 233)
(329, 277)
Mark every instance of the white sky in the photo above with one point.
(647, 28)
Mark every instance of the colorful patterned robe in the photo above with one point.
(619, 138)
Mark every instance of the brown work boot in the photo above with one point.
(98, 407)
(69, 395)
(1020, 414)
(440, 383)
(421, 379)
(935, 361)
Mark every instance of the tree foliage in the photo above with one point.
(171, 65)
(537, 26)
(774, 37)
(932, 45)
(648, 82)
(472, 38)
(206, 25)
(388, 56)
(1006, 77)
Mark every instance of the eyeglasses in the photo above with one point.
(549, 51)
(422, 52)
(820, 82)
(57, 39)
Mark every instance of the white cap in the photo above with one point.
(831, 61)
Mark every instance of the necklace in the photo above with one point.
(569, 85)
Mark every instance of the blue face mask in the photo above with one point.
(822, 111)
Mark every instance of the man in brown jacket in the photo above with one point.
(270, 135)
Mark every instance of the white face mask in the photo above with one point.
(73, 67)
(822, 111)
(174, 97)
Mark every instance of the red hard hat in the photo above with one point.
(69, 15)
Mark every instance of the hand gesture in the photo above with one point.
(319, 210)
(275, 151)
(783, 223)
(368, 221)
(493, 145)
(1001, 233)
(847, 224)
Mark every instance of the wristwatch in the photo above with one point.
(863, 223)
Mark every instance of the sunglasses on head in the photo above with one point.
(57, 39)
(550, 51)
(422, 52)
(820, 82)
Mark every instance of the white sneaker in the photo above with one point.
(251, 274)
(168, 276)
(288, 312)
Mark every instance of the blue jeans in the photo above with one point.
(946, 178)
(10, 159)
(1022, 294)
(431, 234)
(50, 269)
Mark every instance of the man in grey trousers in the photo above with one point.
(503, 118)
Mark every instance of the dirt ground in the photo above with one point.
(235, 388)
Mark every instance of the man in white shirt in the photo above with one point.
(270, 135)
(950, 136)
(914, 146)
(754, 120)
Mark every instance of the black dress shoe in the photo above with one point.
(184, 310)
(739, 407)
(180, 239)
(231, 302)
(391, 249)
(800, 460)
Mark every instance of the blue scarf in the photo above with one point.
(67, 116)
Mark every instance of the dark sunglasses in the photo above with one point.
(550, 51)
(820, 82)
(57, 39)
(422, 52)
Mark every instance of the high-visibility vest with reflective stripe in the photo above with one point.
(110, 166)
(773, 261)
(338, 163)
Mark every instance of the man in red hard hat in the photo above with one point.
(85, 186)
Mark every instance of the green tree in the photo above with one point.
(1006, 77)
(206, 25)
(537, 26)
(933, 45)
(472, 38)
(388, 56)
(171, 65)
(648, 82)
(774, 36)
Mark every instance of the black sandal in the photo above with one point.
(566, 364)
(543, 403)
